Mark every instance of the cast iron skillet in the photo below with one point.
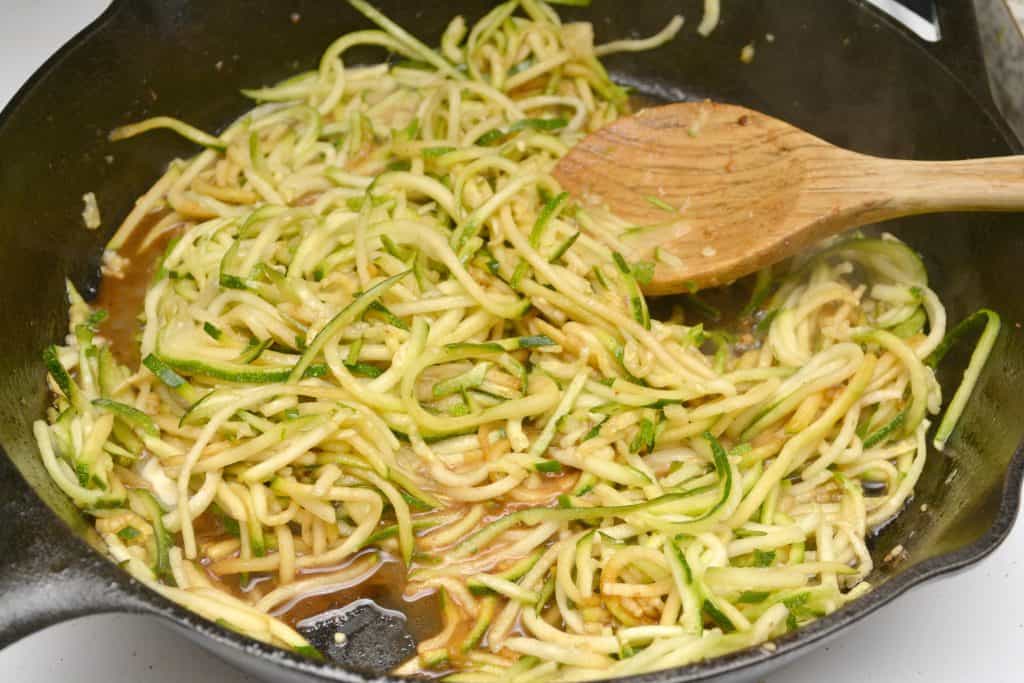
(839, 69)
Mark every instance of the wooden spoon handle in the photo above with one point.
(726, 190)
(891, 188)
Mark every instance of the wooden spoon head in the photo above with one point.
(719, 185)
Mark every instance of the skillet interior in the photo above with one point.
(840, 70)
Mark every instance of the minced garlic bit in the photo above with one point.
(113, 264)
(747, 53)
(91, 212)
(894, 555)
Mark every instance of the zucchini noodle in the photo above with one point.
(381, 332)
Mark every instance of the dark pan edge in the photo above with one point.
(95, 26)
(787, 646)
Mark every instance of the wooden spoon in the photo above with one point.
(727, 190)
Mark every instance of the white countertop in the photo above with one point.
(966, 628)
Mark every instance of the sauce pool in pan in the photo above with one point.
(123, 299)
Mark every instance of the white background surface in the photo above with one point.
(966, 628)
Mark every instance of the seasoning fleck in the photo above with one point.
(894, 555)
(91, 212)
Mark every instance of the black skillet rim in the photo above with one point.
(781, 649)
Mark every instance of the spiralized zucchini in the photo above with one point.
(382, 333)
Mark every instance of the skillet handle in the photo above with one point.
(916, 15)
(977, 41)
(950, 27)
(960, 46)
(982, 44)
(48, 574)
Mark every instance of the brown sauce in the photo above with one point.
(123, 299)
(386, 588)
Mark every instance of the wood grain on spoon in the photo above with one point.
(749, 190)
